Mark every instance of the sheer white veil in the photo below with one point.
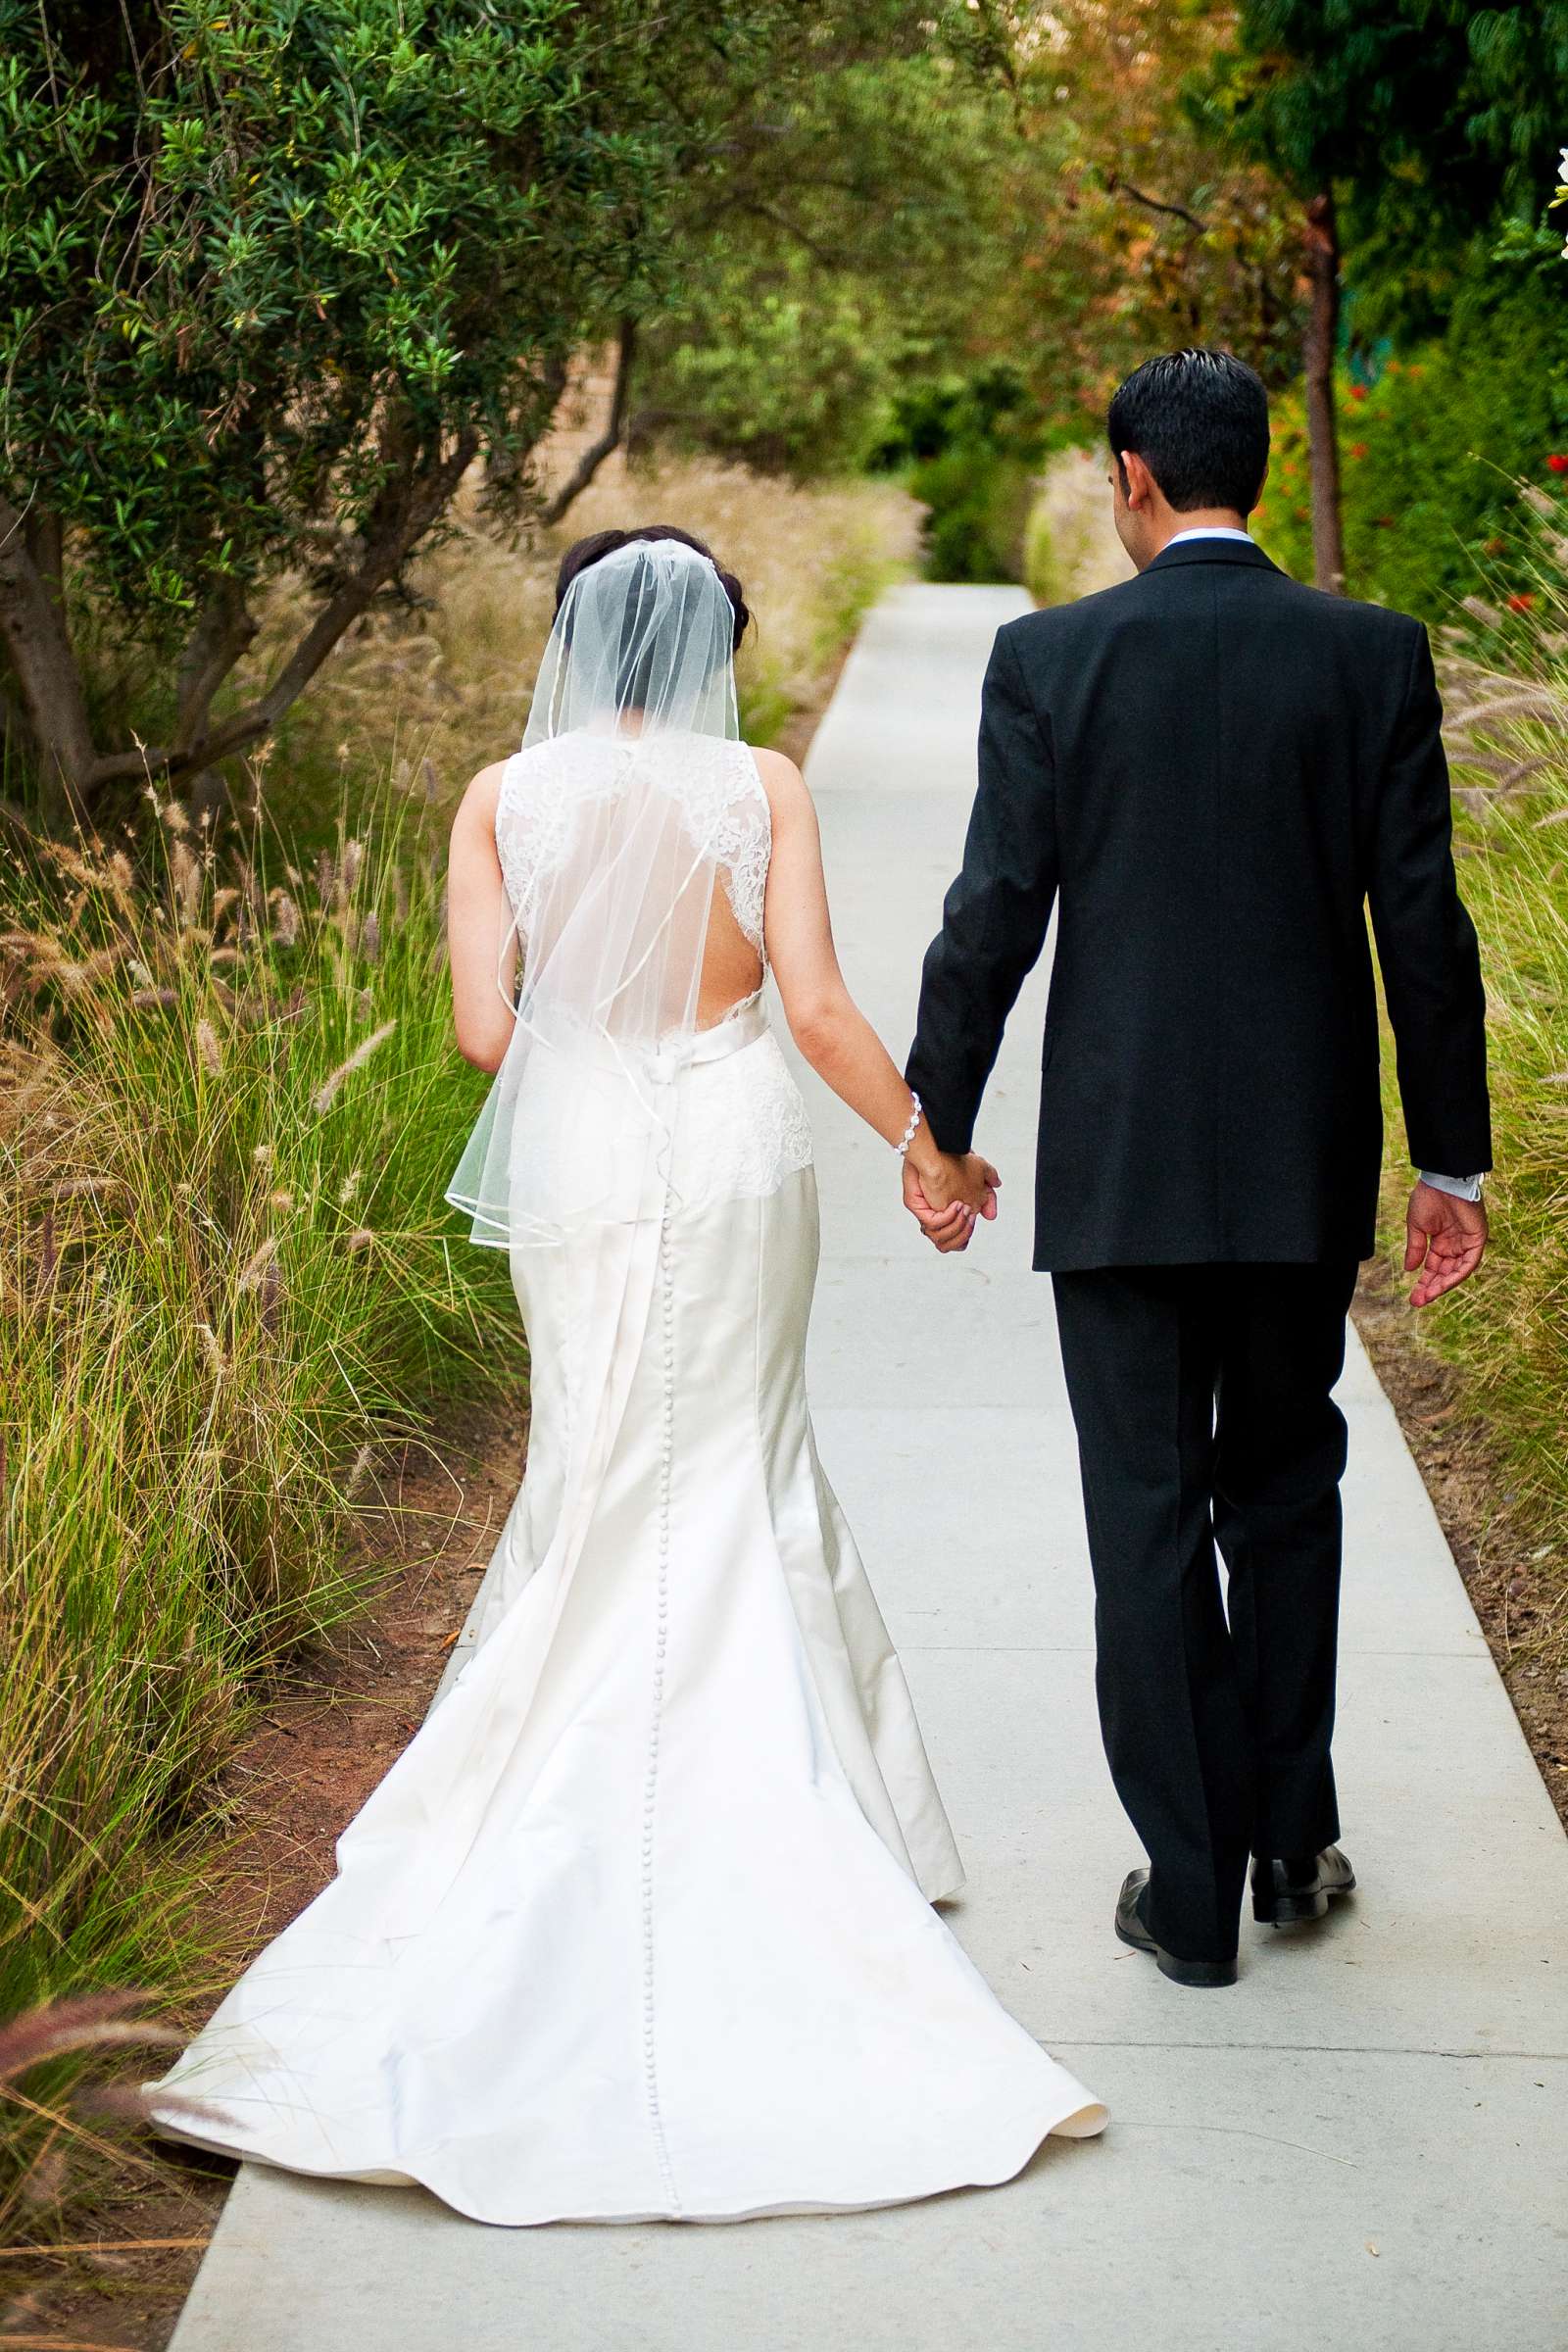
(608, 830)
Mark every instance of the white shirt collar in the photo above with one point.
(1209, 530)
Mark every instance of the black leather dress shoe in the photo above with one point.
(1131, 1929)
(1290, 1888)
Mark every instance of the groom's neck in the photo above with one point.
(1200, 518)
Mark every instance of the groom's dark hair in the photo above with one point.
(1198, 420)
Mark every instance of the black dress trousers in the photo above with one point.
(1205, 1418)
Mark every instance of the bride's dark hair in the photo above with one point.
(600, 544)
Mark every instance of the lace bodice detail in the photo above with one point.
(724, 810)
(742, 1129)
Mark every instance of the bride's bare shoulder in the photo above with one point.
(486, 785)
(782, 781)
(477, 811)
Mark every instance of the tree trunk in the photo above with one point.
(33, 624)
(1322, 431)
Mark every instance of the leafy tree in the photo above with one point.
(847, 238)
(1025, 190)
(1437, 121)
(1410, 130)
(274, 276)
(1137, 221)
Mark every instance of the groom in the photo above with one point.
(1211, 772)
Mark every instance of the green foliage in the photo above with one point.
(855, 245)
(1430, 449)
(1435, 122)
(788, 369)
(252, 255)
(977, 499)
(970, 445)
(226, 1279)
(273, 276)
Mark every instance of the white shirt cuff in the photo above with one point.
(1463, 1187)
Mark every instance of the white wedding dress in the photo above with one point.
(640, 1924)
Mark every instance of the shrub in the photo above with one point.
(968, 447)
(977, 501)
(1429, 448)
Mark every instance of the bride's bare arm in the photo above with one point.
(825, 1022)
(477, 920)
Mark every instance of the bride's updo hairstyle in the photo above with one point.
(593, 550)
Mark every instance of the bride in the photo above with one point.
(639, 1926)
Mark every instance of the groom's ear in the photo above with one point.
(1137, 482)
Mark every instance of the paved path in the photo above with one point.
(1366, 2143)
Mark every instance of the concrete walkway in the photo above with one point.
(1365, 2144)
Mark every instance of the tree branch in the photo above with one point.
(1155, 204)
(224, 629)
(760, 210)
(608, 441)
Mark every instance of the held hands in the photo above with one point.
(1444, 1238)
(946, 1193)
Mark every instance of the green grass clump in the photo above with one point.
(229, 1107)
(1506, 687)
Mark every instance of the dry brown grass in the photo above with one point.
(227, 1108)
(1070, 542)
(450, 681)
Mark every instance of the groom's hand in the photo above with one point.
(1444, 1238)
(946, 1193)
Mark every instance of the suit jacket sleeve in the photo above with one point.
(995, 918)
(1427, 942)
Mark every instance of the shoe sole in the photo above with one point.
(1295, 1910)
(1198, 1975)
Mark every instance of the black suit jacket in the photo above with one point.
(1215, 772)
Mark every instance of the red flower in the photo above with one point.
(1558, 465)
(1359, 449)
(1359, 391)
(1521, 602)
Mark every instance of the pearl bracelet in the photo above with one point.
(909, 1135)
